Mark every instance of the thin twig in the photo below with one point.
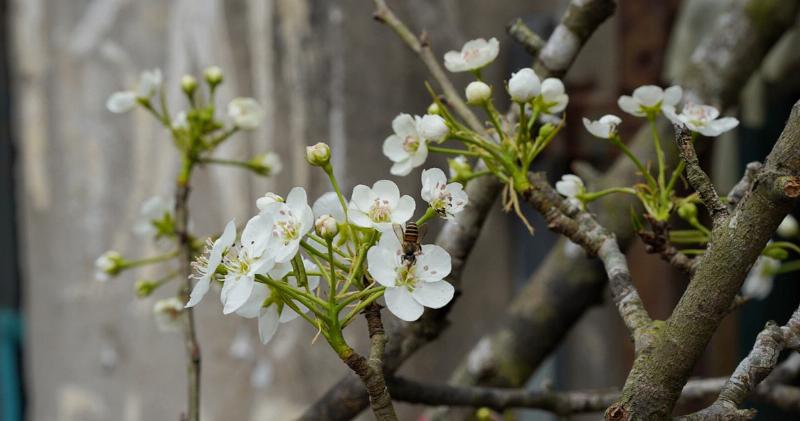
(698, 178)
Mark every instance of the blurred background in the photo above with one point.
(73, 176)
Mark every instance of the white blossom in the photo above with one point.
(149, 83)
(759, 281)
(246, 113)
(326, 227)
(205, 267)
(478, 92)
(168, 313)
(432, 127)
(266, 199)
(474, 55)
(553, 98)
(213, 75)
(570, 185)
(380, 206)
(604, 128)
(252, 259)
(701, 119)
(524, 85)
(446, 199)
(121, 102)
(406, 147)
(789, 227)
(410, 286)
(291, 221)
(153, 211)
(267, 163)
(650, 98)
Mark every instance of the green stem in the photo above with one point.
(316, 253)
(363, 304)
(651, 118)
(453, 151)
(786, 245)
(624, 148)
(591, 197)
(430, 213)
(128, 264)
(789, 267)
(676, 175)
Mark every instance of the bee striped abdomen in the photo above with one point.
(411, 233)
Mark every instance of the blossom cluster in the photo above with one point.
(273, 271)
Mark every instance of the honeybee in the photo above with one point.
(410, 239)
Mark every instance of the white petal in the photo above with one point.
(297, 200)
(328, 204)
(393, 148)
(280, 270)
(723, 125)
(360, 218)
(382, 264)
(362, 197)
(648, 95)
(199, 291)
(672, 95)
(404, 210)
(252, 307)
(267, 323)
(404, 125)
(386, 190)
(630, 106)
(257, 232)
(433, 294)
(433, 264)
(400, 302)
(418, 158)
(669, 112)
(238, 293)
(402, 168)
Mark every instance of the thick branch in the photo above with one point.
(568, 402)
(576, 26)
(526, 37)
(657, 242)
(743, 186)
(698, 179)
(655, 381)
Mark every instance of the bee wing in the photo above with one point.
(422, 229)
(398, 231)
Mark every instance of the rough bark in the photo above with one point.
(658, 374)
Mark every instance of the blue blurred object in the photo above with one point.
(10, 382)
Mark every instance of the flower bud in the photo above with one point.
(268, 198)
(524, 85)
(188, 84)
(460, 169)
(434, 109)
(266, 164)
(776, 253)
(108, 265)
(433, 127)
(145, 287)
(246, 113)
(213, 75)
(478, 93)
(687, 211)
(788, 227)
(326, 227)
(318, 155)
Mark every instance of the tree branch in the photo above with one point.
(743, 186)
(525, 36)
(583, 229)
(751, 371)
(655, 381)
(698, 179)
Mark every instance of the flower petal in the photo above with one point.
(402, 168)
(433, 264)
(400, 302)
(362, 197)
(404, 210)
(648, 95)
(672, 95)
(252, 307)
(393, 148)
(238, 293)
(388, 191)
(199, 291)
(433, 294)
(267, 323)
(630, 106)
(382, 264)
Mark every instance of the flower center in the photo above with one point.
(410, 144)
(380, 211)
(287, 230)
(471, 54)
(405, 276)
